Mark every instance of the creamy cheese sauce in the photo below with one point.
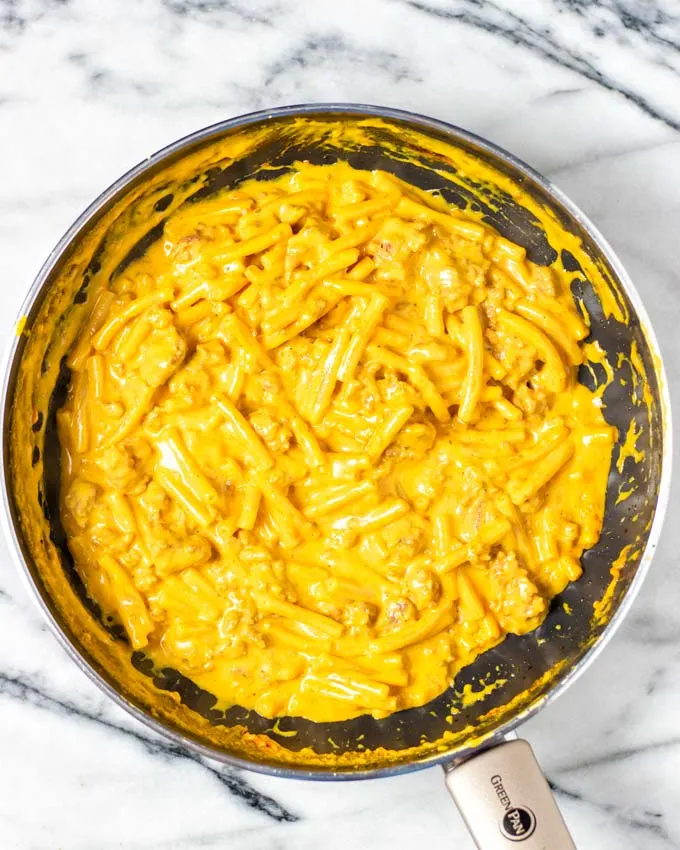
(324, 444)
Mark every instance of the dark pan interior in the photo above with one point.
(521, 666)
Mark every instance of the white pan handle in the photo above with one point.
(506, 801)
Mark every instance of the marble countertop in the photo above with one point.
(587, 91)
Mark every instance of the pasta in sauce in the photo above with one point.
(324, 444)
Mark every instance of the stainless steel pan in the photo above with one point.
(495, 781)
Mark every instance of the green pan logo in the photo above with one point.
(518, 823)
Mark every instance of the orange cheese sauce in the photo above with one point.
(324, 444)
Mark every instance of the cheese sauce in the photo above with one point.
(324, 444)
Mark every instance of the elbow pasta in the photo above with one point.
(324, 444)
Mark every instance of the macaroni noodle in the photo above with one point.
(324, 444)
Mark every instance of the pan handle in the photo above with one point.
(506, 801)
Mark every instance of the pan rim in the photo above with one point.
(425, 123)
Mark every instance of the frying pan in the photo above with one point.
(468, 729)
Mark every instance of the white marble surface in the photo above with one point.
(588, 91)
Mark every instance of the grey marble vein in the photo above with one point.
(668, 745)
(646, 822)
(221, 11)
(19, 688)
(598, 159)
(316, 50)
(520, 30)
